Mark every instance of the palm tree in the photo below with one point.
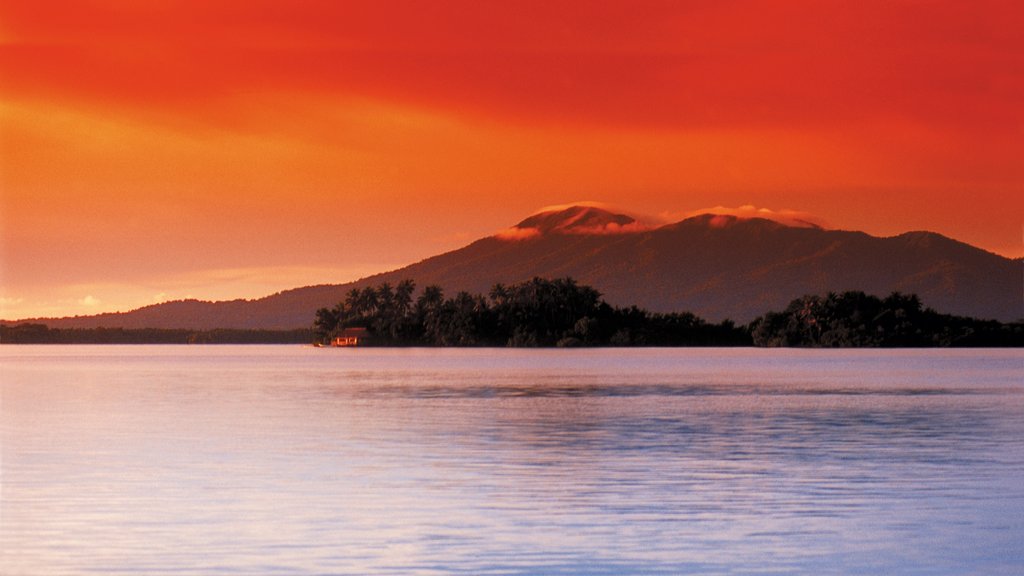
(325, 323)
(429, 312)
(403, 296)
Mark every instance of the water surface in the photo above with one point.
(295, 460)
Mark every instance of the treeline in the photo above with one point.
(536, 313)
(547, 313)
(541, 313)
(858, 320)
(41, 334)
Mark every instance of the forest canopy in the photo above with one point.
(859, 320)
(561, 312)
(538, 312)
(32, 333)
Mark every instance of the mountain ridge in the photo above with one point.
(716, 266)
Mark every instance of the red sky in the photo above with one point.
(215, 149)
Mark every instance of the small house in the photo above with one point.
(350, 337)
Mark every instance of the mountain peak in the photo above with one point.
(722, 216)
(575, 219)
(730, 220)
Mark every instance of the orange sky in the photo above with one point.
(220, 149)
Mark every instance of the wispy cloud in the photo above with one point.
(8, 304)
(517, 233)
(606, 219)
(795, 218)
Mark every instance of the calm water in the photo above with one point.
(295, 460)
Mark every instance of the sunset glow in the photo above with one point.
(224, 149)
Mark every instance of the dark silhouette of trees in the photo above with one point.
(429, 313)
(326, 322)
(41, 334)
(542, 312)
(537, 312)
(856, 319)
(561, 312)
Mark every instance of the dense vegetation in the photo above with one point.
(538, 312)
(41, 334)
(856, 319)
(561, 312)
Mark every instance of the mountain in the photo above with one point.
(713, 265)
(575, 220)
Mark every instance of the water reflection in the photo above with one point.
(285, 460)
(534, 389)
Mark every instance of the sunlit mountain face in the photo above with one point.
(598, 218)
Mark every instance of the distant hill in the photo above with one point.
(712, 265)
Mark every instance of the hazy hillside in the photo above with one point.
(715, 266)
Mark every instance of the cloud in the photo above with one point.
(89, 301)
(609, 228)
(794, 218)
(517, 233)
(611, 207)
(576, 226)
(584, 203)
(9, 306)
(576, 218)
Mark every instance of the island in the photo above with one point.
(563, 313)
